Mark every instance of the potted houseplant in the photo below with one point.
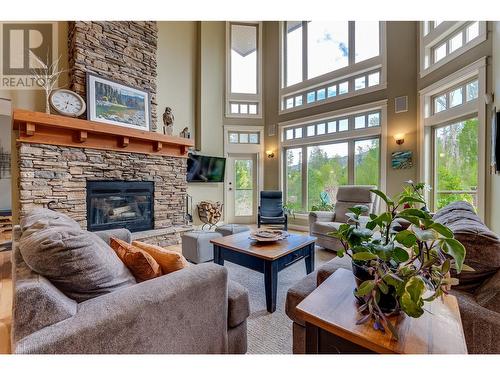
(399, 271)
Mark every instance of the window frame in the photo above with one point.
(350, 136)
(433, 146)
(348, 73)
(473, 108)
(442, 34)
(239, 98)
(462, 85)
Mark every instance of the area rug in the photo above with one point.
(271, 333)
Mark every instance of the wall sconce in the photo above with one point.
(399, 138)
(270, 154)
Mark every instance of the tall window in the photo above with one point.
(326, 170)
(452, 126)
(321, 155)
(367, 162)
(243, 70)
(456, 162)
(293, 175)
(320, 60)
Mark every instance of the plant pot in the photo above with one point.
(387, 303)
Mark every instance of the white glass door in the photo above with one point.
(241, 189)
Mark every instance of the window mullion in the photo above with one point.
(352, 44)
(304, 51)
(285, 54)
(350, 162)
(304, 178)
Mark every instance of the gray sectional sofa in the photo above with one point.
(194, 310)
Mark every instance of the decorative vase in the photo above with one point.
(387, 303)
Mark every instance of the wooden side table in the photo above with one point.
(330, 313)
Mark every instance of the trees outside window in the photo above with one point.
(293, 176)
(326, 170)
(327, 167)
(367, 162)
(456, 162)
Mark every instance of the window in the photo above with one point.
(367, 40)
(328, 159)
(244, 59)
(243, 189)
(315, 53)
(456, 162)
(243, 70)
(293, 181)
(293, 55)
(453, 122)
(366, 162)
(244, 137)
(455, 97)
(439, 46)
(327, 47)
(359, 121)
(341, 88)
(472, 90)
(326, 170)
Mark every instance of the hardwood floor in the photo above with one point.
(5, 301)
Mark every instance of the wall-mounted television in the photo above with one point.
(202, 168)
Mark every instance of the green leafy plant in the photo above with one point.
(409, 267)
(324, 204)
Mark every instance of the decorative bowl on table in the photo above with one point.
(268, 235)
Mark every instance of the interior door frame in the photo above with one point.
(233, 149)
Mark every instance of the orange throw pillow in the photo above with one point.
(139, 262)
(169, 260)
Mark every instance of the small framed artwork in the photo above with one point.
(402, 160)
(114, 103)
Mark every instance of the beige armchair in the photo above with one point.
(323, 222)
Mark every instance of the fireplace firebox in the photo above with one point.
(120, 204)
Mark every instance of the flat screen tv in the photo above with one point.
(202, 168)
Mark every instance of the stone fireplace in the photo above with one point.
(120, 204)
(113, 178)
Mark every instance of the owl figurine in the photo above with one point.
(168, 121)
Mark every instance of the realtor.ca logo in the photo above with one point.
(27, 50)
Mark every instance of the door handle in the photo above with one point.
(230, 189)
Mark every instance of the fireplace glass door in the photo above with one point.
(120, 204)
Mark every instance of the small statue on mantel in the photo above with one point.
(185, 133)
(168, 121)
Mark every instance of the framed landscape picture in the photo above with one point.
(114, 103)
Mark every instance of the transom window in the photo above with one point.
(243, 69)
(244, 108)
(334, 125)
(440, 45)
(323, 60)
(455, 96)
(332, 90)
(456, 40)
(244, 137)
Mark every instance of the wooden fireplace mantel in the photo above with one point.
(37, 127)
